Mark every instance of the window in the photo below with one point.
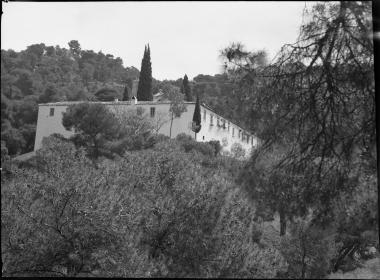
(203, 138)
(252, 141)
(239, 133)
(228, 126)
(211, 119)
(204, 115)
(51, 112)
(233, 131)
(224, 124)
(217, 122)
(152, 111)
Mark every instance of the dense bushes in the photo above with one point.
(105, 133)
(210, 149)
(237, 150)
(41, 74)
(153, 212)
(356, 222)
(308, 250)
(157, 212)
(108, 94)
(49, 218)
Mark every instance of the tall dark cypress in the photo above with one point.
(144, 90)
(126, 94)
(196, 127)
(186, 88)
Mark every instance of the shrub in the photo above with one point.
(217, 147)
(237, 150)
(161, 138)
(108, 94)
(53, 218)
(356, 219)
(154, 212)
(189, 145)
(308, 250)
(183, 137)
(94, 125)
(238, 253)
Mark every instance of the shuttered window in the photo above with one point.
(152, 112)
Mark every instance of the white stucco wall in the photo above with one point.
(224, 135)
(47, 124)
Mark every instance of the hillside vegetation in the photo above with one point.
(155, 212)
(117, 199)
(41, 74)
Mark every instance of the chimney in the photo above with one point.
(135, 99)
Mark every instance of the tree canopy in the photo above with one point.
(93, 125)
(197, 117)
(303, 205)
(151, 213)
(41, 74)
(186, 90)
(177, 105)
(126, 95)
(315, 104)
(108, 94)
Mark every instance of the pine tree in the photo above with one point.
(126, 96)
(186, 88)
(197, 117)
(144, 91)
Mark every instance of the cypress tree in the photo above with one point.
(126, 94)
(144, 90)
(186, 88)
(196, 127)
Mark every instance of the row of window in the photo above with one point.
(140, 110)
(222, 123)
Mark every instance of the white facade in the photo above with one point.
(215, 127)
(50, 121)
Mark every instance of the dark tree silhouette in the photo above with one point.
(315, 107)
(93, 125)
(126, 96)
(107, 94)
(186, 89)
(144, 90)
(197, 117)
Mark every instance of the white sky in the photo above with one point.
(184, 37)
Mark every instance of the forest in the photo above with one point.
(42, 74)
(125, 201)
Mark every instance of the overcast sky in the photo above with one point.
(184, 37)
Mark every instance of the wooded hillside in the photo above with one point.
(117, 199)
(41, 74)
